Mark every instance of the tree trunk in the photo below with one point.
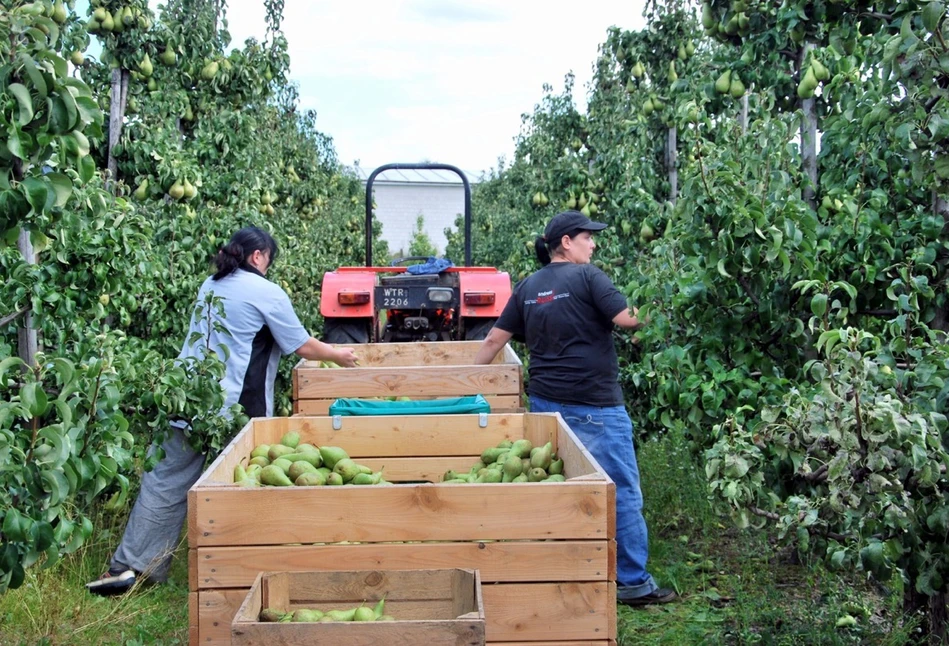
(809, 138)
(120, 85)
(933, 609)
(743, 119)
(26, 334)
(671, 161)
(941, 209)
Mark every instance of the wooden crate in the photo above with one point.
(546, 552)
(429, 607)
(416, 370)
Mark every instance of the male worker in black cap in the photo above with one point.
(566, 312)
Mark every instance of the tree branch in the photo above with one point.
(12, 317)
(747, 289)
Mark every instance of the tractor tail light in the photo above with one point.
(479, 298)
(353, 298)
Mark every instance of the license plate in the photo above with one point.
(395, 297)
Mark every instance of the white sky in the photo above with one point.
(433, 80)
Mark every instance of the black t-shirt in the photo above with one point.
(565, 313)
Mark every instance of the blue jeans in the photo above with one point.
(607, 433)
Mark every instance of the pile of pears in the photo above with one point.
(291, 462)
(308, 615)
(512, 461)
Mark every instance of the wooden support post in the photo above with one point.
(671, 161)
(26, 334)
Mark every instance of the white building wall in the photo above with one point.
(398, 206)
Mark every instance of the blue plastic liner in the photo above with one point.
(447, 406)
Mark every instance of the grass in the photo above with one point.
(735, 587)
(52, 607)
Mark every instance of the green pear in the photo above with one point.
(540, 458)
(291, 439)
(331, 455)
(334, 479)
(260, 450)
(282, 464)
(306, 615)
(556, 477)
(141, 192)
(260, 460)
(146, 67)
(168, 57)
(298, 468)
(556, 467)
(362, 479)
(239, 473)
(379, 608)
(313, 457)
(271, 614)
(278, 451)
(347, 469)
(310, 479)
(363, 613)
(304, 447)
(536, 475)
(512, 468)
(177, 190)
(341, 615)
(274, 476)
(522, 448)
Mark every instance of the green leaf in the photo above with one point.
(819, 305)
(37, 194)
(8, 364)
(62, 186)
(72, 110)
(39, 240)
(34, 398)
(14, 144)
(36, 76)
(54, 481)
(87, 169)
(14, 528)
(24, 102)
(59, 119)
(89, 110)
(721, 269)
(42, 534)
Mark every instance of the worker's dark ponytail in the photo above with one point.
(540, 248)
(243, 244)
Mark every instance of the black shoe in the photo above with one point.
(659, 595)
(113, 582)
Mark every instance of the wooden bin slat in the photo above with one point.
(498, 403)
(514, 612)
(508, 561)
(420, 354)
(418, 370)
(239, 516)
(446, 381)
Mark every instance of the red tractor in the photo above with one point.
(406, 303)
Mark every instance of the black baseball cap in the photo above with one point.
(567, 222)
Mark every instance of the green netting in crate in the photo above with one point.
(447, 406)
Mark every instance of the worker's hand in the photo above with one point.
(346, 357)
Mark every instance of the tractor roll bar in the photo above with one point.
(420, 166)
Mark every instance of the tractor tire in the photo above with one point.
(477, 329)
(345, 331)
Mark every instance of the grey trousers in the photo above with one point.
(154, 526)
